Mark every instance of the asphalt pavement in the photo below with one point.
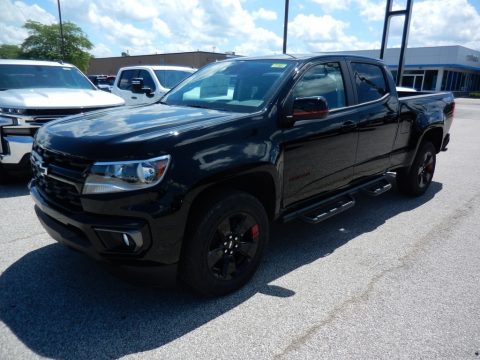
(394, 277)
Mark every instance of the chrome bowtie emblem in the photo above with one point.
(38, 163)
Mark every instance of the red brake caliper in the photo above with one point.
(255, 231)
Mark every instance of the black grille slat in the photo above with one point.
(61, 185)
(42, 116)
(59, 112)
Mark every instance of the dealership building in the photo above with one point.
(450, 68)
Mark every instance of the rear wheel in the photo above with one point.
(225, 244)
(416, 180)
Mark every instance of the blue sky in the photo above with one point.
(248, 27)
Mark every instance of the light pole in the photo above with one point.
(285, 27)
(61, 30)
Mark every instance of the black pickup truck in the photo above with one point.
(191, 183)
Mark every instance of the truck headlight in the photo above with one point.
(109, 177)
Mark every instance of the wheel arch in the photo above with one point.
(433, 135)
(260, 184)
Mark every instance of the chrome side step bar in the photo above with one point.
(328, 210)
(339, 203)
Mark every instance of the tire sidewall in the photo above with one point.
(199, 276)
(413, 176)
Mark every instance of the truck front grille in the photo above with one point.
(59, 193)
(59, 177)
(41, 116)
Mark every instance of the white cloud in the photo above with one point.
(454, 22)
(264, 14)
(14, 15)
(310, 33)
(373, 10)
(332, 5)
(102, 50)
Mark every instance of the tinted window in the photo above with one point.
(126, 77)
(323, 80)
(170, 78)
(370, 82)
(42, 76)
(147, 79)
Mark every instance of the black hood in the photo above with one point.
(126, 131)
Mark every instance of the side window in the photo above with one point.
(370, 82)
(147, 79)
(323, 80)
(125, 82)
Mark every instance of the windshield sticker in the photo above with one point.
(278, 66)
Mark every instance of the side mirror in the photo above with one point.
(137, 85)
(312, 107)
(139, 88)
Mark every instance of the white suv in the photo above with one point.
(148, 83)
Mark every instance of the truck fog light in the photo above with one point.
(120, 241)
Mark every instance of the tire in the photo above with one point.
(224, 244)
(414, 181)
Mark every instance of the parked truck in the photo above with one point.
(33, 93)
(146, 84)
(189, 186)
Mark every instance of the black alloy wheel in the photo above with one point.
(414, 181)
(233, 246)
(425, 170)
(224, 243)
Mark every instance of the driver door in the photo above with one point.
(319, 153)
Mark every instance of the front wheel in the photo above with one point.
(224, 244)
(416, 180)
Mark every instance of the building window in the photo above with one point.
(430, 80)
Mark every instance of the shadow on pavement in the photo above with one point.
(62, 305)
(11, 187)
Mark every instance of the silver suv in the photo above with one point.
(35, 92)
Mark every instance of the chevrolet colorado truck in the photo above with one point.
(33, 93)
(189, 185)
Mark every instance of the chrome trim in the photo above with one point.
(18, 147)
(106, 163)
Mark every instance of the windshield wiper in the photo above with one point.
(198, 106)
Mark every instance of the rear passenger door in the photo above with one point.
(319, 154)
(376, 117)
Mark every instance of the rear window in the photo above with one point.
(370, 82)
(42, 76)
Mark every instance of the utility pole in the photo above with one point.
(285, 28)
(61, 31)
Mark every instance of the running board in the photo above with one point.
(329, 209)
(339, 203)
(378, 188)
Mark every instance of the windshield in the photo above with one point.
(239, 85)
(170, 78)
(42, 76)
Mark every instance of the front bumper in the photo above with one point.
(16, 147)
(152, 259)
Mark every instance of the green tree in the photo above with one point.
(10, 51)
(44, 43)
